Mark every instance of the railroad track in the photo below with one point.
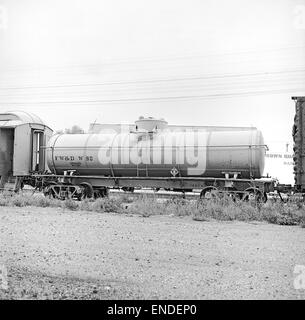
(148, 193)
(156, 195)
(113, 193)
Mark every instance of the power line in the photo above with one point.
(253, 85)
(217, 76)
(158, 99)
(266, 84)
(165, 59)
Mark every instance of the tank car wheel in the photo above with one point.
(104, 192)
(234, 196)
(254, 195)
(128, 189)
(87, 191)
(48, 192)
(209, 193)
(101, 193)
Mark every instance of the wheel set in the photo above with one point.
(248, 195)
(78, 192)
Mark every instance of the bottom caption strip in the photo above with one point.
(151, 309)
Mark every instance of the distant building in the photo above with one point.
(279, 161)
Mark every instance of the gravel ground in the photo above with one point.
(59, 254)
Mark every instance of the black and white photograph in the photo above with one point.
(152, 150)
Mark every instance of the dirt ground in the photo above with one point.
(59, 254)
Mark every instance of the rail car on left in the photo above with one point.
(23, 137)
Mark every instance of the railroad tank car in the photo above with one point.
(153, 150)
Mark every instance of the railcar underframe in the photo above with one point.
(65, 186)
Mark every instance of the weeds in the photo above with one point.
(38, 200)
(221, 208)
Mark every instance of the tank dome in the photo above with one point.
(151, 124)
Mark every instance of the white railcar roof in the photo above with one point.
(17, 118)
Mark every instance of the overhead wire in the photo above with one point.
(158, 99)
(161, 80)
(169, 58)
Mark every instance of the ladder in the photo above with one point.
(142, 170)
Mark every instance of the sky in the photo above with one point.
(192, 62)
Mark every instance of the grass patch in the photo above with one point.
(38, 200)
(221, 208)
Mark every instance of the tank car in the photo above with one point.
(153, 155)
(159, 153)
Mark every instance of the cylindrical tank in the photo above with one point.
(162, 153)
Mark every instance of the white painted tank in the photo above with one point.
(161, 153)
